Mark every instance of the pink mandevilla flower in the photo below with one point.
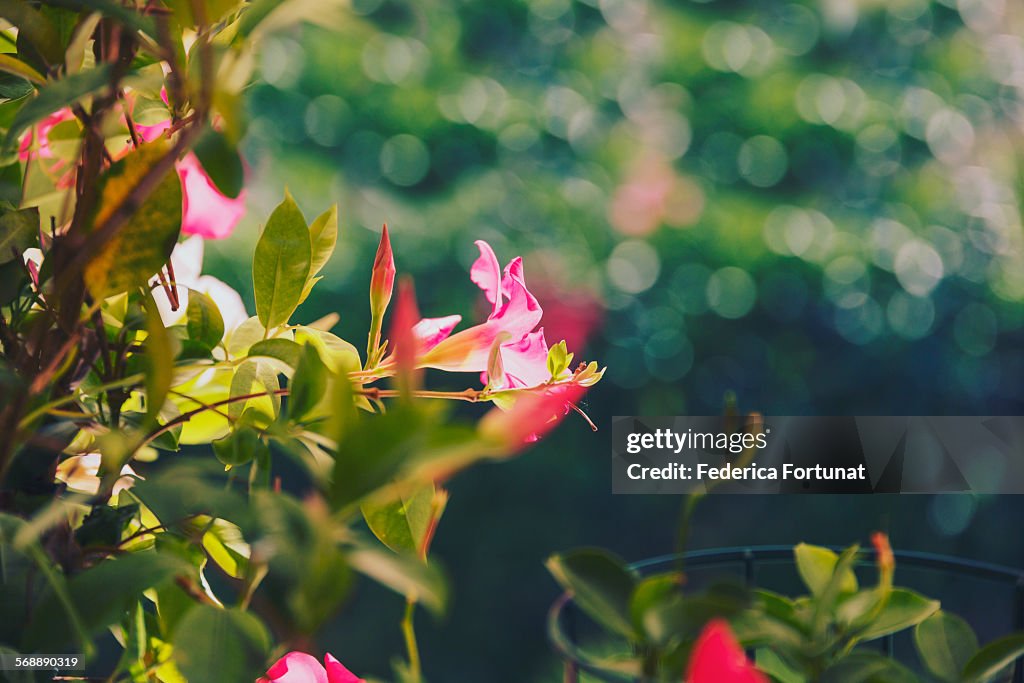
(205, 211)
(35, 145)
(718, 658)
(512, 323)
(298, 667)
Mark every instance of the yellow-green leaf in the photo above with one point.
(144, 244)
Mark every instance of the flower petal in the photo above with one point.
(486, 273)
(526, 361)
(337, 673)
(531, 416)
(718, 658)
(205, 210)
(297, 667)
(521, 313)
(432, 331)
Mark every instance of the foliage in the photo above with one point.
(828, 634)
(121, 137)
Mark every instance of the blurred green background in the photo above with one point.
(814, 205)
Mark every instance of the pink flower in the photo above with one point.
(204, 211)
(515, 314)
(718, 658)
(36, 142)
(298, 667)
(533, 415)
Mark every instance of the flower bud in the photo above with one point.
(382, 281)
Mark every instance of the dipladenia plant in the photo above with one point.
(830, 634)
(122, 125)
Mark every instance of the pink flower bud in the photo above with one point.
(382, 281)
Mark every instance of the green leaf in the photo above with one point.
(159, 361)
(284, 350)
(221, 162)
(240, 446)
(213, 645)
(867, 667)
(186, 490)
(100, 594)
(323, 235)
(904, 609)
(600, 584)
(33, 26)
(339, 355)
(817, 565)
(993, 658)
(402, 523)
(19, 68)
(653, 593)
(53, 96)
(945, 643)
(403, 574)
(204, 322)
(252, 377)
(124, 15)
(281, 264)
(144, 244)
(308, 383)
(371, 450)
(224, 543)
(19, 230)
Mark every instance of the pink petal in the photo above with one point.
(405, 343)
(297, 667)
(337, 673)
(432, 331)
(206, 211)
(513, 272)
(39, 136)
(521, 313)
(465, 351)
(718, 658)
(486, 273)
(531, 416)
(150, 133)
(526, 361)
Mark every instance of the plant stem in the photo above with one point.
(373, 341)
(409, 632)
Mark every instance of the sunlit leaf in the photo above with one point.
(204, 320)
(281, 264)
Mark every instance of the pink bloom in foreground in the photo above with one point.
(533, 415)
(204, 211)
(298, 667)
(515, 314)
(718, 658)
(36, 142)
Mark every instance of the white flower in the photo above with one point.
(187, 261)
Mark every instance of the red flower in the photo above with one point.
(718, 658)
